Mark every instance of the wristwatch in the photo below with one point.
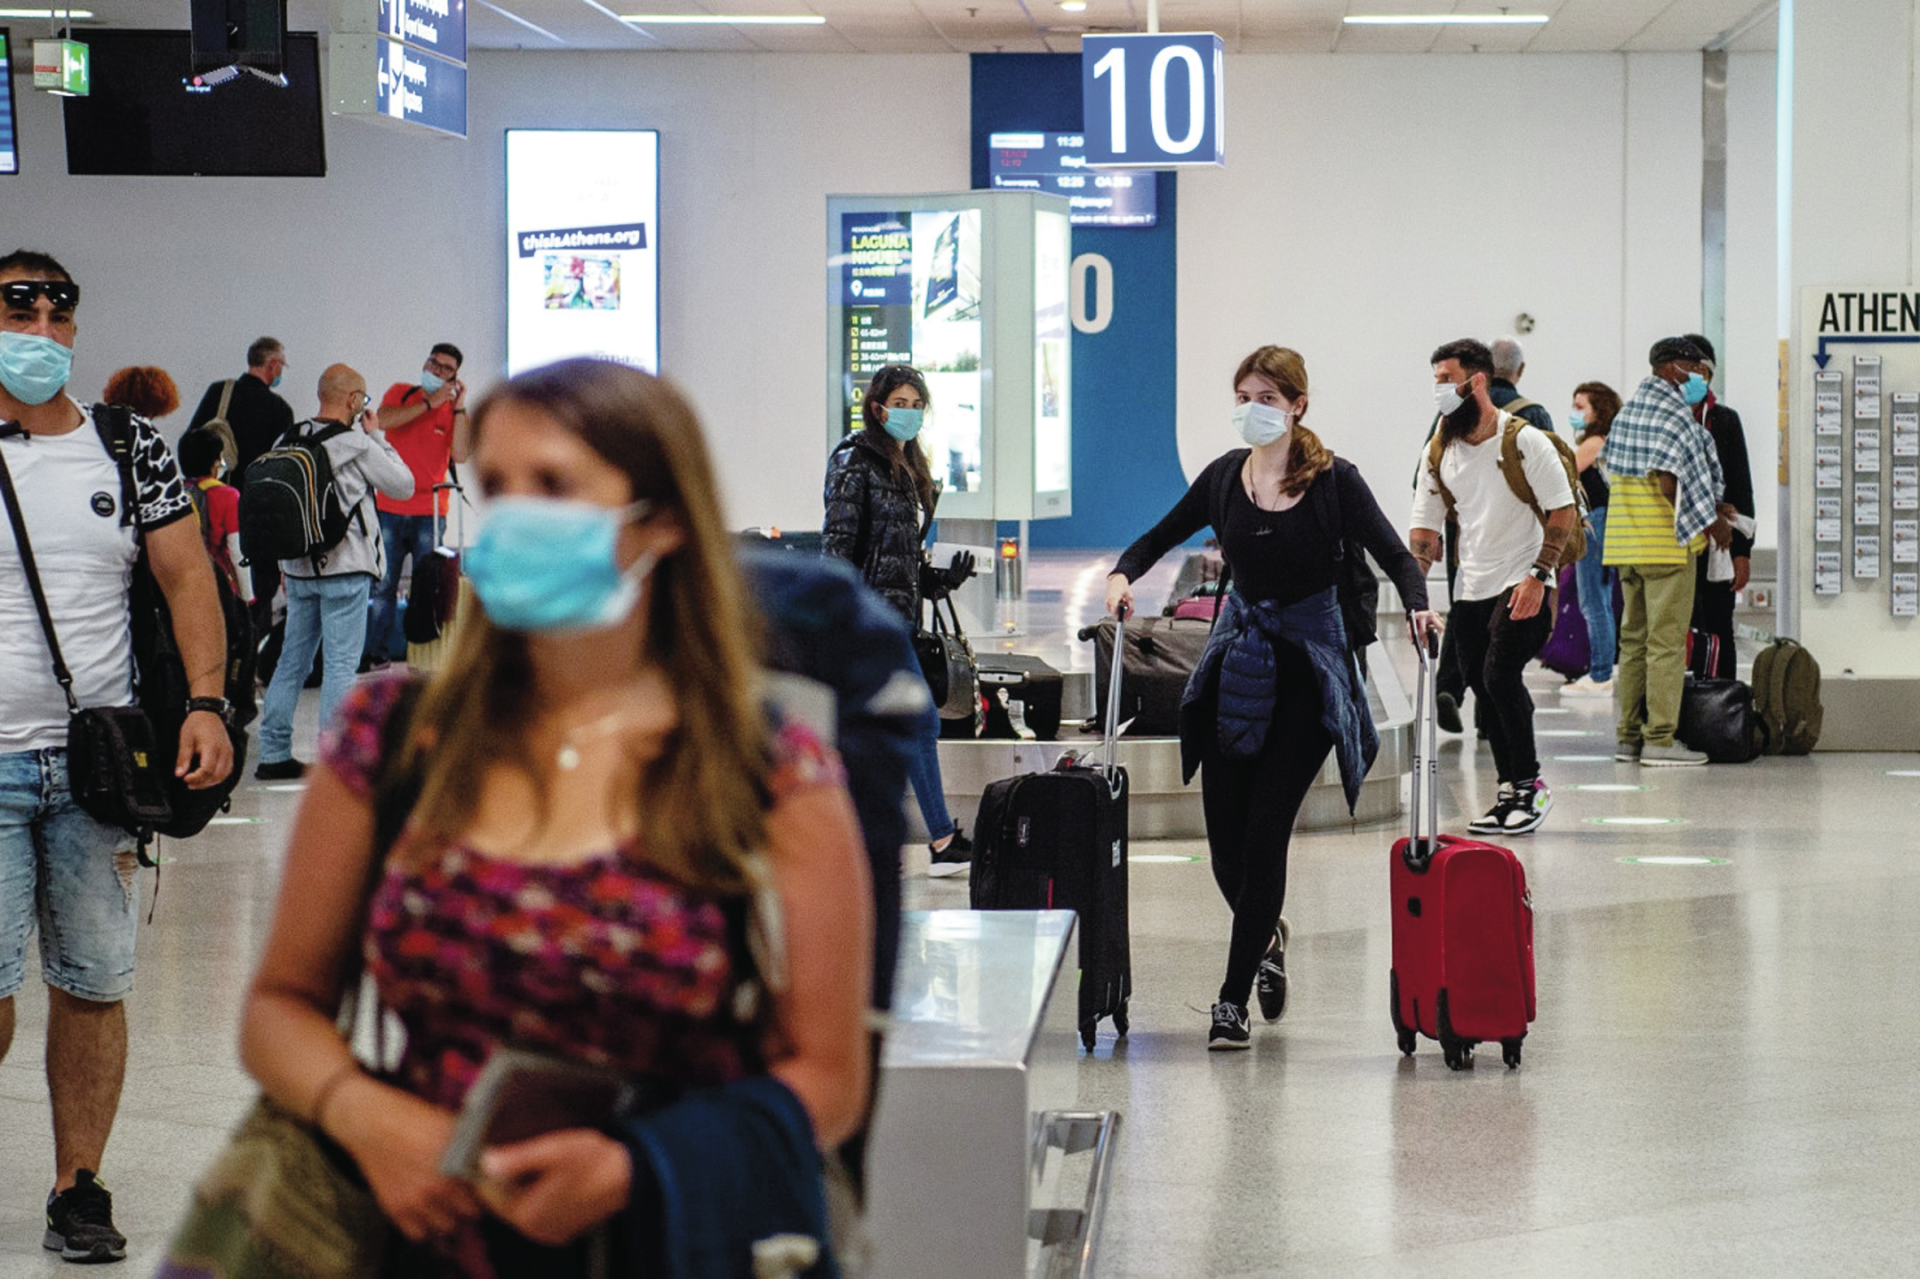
(218, 705)
(1544, 576)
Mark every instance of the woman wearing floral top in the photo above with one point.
(600, 795)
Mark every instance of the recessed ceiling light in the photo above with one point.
(724, 19)
(1445, 19)
(78, 15)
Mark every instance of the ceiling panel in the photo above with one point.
(946, 26)
(1692, 24)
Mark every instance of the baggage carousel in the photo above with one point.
(1065, 591)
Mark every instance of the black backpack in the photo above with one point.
(290, 507)
(162, 673)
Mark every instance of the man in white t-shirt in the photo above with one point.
(1503, 597)
(60, 869)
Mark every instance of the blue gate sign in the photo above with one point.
(421, 89)
(1153, 101)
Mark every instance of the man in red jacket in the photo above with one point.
(426, 422)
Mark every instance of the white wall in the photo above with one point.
(1372, 208)
(401, 244)
(1363, 227)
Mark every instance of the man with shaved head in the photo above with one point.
(327, 592)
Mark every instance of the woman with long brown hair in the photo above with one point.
(1278, 687)
(880, 498)
(601, 801)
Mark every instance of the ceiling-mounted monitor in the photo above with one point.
(239, 33)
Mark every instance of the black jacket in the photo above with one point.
(874, 522)
(1730, 442)
(1503, 393)
(260, 419)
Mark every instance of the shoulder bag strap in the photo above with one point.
(25, 546)
(226, 399)
(395, 792)
(114, 425)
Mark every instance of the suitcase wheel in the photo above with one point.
(1408, 1042)
(1510, 1053)
(1120, 1022)
(1458, 1053)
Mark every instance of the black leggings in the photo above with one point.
(1250, 807)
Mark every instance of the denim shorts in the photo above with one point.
(70, 875)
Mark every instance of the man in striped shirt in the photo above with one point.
(1663, 506)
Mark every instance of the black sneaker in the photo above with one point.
(1446, 712)
(280, 770)
(1231, 1029)
(1495, 819)
(951, 860)
(1532, 801)
(80, 1223)
(1270, 984)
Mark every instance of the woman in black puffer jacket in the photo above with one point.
(880, 496)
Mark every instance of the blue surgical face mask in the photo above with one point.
(1261, 424)
(33, 368)
(904, 424)
(1694, 388)
(1576, 419)
(431, 382)
(276, 379)
(550, 566)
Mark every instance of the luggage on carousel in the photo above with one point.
(1058, 841)
(1023, 696)
(1462, 921)
(1159, 654)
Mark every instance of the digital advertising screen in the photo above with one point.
(1056, 164)
(910, 294)
(583, 262)
(9, 154)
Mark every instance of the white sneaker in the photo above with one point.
(1671, 755)
(1587, 686)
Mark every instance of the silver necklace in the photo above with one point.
(568, 756)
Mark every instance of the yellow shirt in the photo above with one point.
(1640, 526)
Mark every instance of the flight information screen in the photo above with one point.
(1056, 163)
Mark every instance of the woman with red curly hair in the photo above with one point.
(147, 390)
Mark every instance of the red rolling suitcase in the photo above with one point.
(1462, 921)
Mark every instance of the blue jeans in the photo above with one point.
(923, 770)
(409, 539)
(70, 875)
(323, 613)
(1596, 600)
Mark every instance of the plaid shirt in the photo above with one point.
(1655, 431)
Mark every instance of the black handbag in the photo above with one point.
(1717, 719)
(113, 759)
(961, 714)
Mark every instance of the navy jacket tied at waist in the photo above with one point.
(1239, 662)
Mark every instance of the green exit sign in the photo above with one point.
(61, 66)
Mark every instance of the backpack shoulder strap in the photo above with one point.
(114, 423)
(1513, 466)
(1518, 405)
(1325, 493)
(1436, 448)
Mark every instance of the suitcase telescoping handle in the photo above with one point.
(1112, 726)
(1426, 758)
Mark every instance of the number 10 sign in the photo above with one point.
(1153, 101)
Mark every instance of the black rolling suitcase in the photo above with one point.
(1023, 696)
(1058, 841)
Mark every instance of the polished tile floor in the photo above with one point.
(1720, 1082)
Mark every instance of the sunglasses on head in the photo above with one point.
(63, 294)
